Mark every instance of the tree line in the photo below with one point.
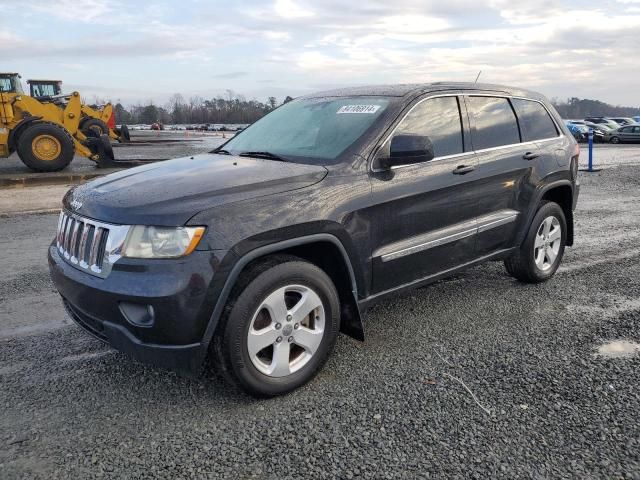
(197, 110)
(582, 107)
(237, 109)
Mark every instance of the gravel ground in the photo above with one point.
(476, 376)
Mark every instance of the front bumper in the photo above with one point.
(156, 311)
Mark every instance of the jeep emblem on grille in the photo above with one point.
(76, 204)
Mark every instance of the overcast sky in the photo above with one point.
(137, 51)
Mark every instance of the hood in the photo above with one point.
(169, 193)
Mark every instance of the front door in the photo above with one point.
(423, 218)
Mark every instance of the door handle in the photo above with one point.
(530, 155)
(462, 169)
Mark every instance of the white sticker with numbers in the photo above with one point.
(358, 109)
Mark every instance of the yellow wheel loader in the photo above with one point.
(101, 120)
(45, 135)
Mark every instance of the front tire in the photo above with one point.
(614, 140)
(540, 254)
(45, 147)
(96, 125)
(279, 327)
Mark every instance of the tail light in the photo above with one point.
(575, 158)
(111, 123)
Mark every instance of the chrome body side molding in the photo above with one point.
(445, 235)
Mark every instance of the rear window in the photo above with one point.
(493, 122)
(535, 122)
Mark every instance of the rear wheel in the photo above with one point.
(45, 147)
(540, 254)
(95, 125)
(279, 329)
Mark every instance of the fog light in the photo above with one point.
(138, 315)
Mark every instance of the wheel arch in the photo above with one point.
(560, 192)
(14, 135)
(321, 250)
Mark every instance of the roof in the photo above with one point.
(41, 80)
(412, 89)
(9, 74)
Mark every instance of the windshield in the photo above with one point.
(320, 128)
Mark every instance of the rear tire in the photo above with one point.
(98, 126)
(45, 147)
(540, 254)
(262, 345)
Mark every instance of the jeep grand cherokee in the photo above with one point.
(259, 253)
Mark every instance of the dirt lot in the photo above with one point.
(477, 376)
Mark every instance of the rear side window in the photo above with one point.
(438, 119)
(493, 122)
(535, 122)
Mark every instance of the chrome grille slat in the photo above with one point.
(89, 245)
(73, 249)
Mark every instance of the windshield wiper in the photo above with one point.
(221, 151)
(269, 155)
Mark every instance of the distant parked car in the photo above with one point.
(579, 131)
(626, 134)
(624, 120)
(599, 131)
(603, 121)
(637, 119)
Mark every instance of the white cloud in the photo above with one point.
(290, 9)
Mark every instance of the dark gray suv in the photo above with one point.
(258, 254)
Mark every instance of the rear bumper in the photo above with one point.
(155, 311)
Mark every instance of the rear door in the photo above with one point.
(423, 215)
(504, 165)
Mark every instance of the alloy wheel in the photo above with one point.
(547, 243)
(286, 330)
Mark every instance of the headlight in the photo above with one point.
(161, 242)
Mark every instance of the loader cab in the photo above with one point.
(44, 88)
(10, 83)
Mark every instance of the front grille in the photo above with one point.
(89, 245)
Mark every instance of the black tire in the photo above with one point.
(37, 161)
(124, 135)
(96, 125)
(229, 346)
(522, 264)
(614, 140)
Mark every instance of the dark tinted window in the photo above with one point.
(625, 129)
(494, 123)
(439, 119)
(636, 129)
(535, 122)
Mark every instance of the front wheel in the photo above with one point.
(45, 147)
(279, 327)
(540, 254)
(614, 140)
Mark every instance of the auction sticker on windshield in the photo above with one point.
(358, 109)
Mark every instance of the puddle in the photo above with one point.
(618, 349)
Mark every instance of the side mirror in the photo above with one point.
(408, 149)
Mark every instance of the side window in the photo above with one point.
(535, 122)
(493, 122)
(636, 129)
(438, 119)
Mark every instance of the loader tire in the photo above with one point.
(95, 125)
(45, 147)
